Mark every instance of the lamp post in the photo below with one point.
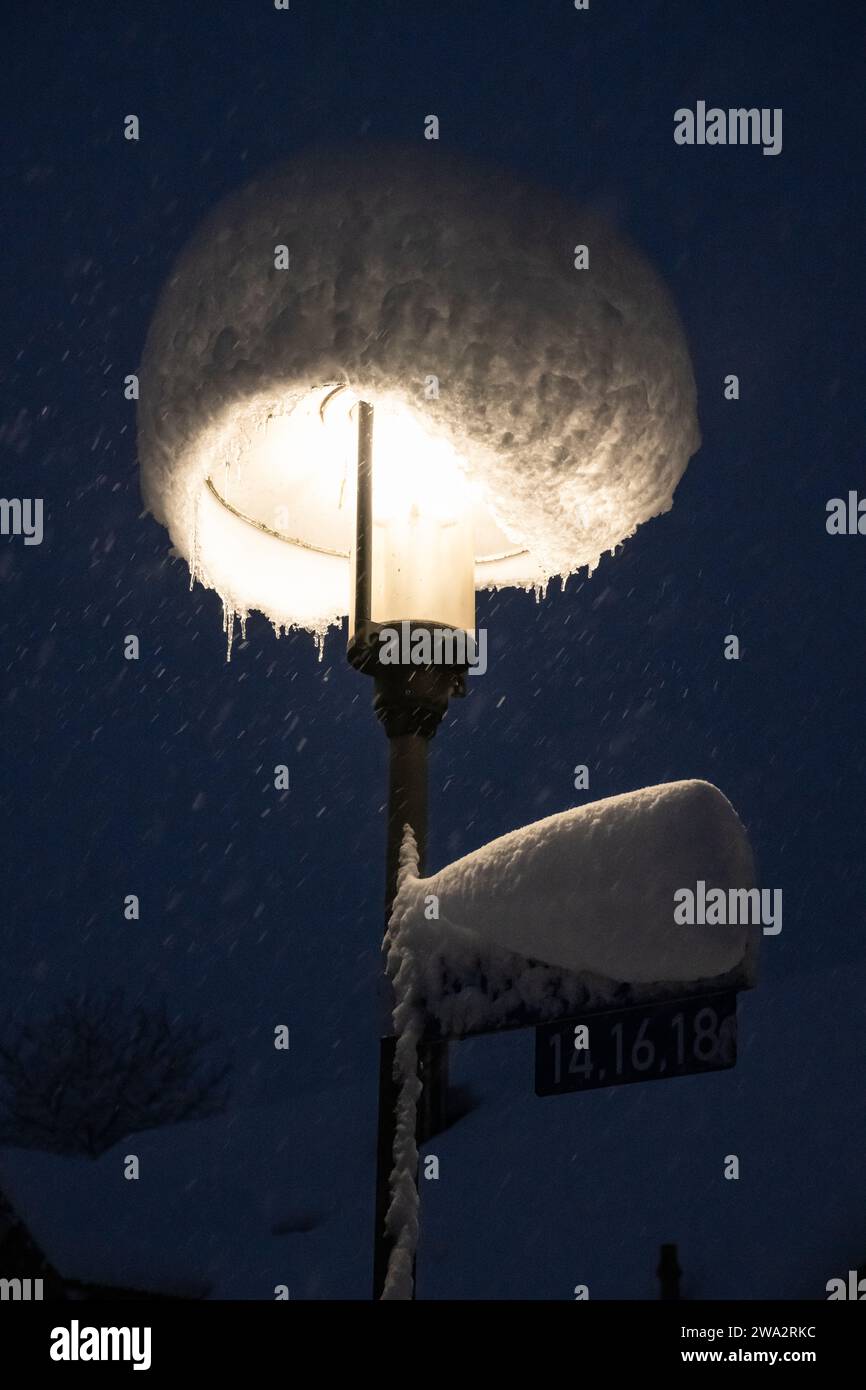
(406, 560)
(295, 441)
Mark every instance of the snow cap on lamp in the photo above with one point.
(565, 402)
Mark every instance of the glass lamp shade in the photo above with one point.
(422, 559)
(422, 572)
(296, 484)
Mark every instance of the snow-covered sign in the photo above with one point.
(567, 915)
(577, 911)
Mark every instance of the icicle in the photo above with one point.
(193, 564)
(320, 643)
(228, 626)
(539, 590)
(401, 1221)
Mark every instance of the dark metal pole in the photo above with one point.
(364, 519)
(407, 804)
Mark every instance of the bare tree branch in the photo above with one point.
(97, 1070)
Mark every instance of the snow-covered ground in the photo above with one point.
(561, 1191)
(583, 1189)
(267, 1195)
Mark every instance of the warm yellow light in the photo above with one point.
(274, 521)
(423, 559)
(414, 473)
(299, 483)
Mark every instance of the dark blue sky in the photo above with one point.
(155, 777)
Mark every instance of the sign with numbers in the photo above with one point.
(645, 1043)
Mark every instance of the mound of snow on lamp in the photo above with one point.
(446, 296)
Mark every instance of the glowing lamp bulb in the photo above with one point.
(423, 561)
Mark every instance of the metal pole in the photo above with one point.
(407, 804)
(409, 702)
(403, 707)
(364, 519)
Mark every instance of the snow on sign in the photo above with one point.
(678, 1038)
(576, 913)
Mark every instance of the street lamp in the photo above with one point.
(376, 383)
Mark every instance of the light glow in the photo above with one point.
(295, 482)
(570, 399)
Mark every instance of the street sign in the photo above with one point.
(644, 1043)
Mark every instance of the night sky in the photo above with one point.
(155, 777)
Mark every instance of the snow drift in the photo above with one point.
(566, 394)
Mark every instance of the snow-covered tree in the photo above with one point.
(97, 1069)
